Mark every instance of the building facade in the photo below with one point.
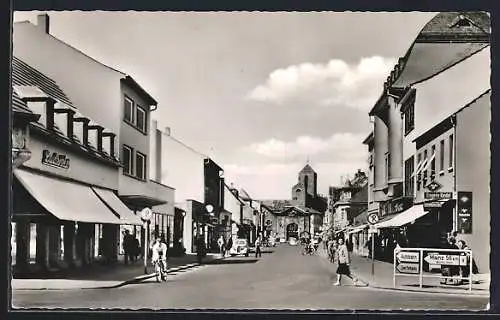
(66, 211)
(106, 95)
(416, 97)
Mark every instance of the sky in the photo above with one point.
(260, 93)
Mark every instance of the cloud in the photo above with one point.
(346, 146)
(335, 83)
(275, 180)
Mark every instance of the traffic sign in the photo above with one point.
(405, 256)
(146, 214)
(438, 195)
(446, 259)
(408, 268)
(372, 218)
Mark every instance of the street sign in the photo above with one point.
(446, 259)
(146, 214)
(438, 195)
(408, 268)
(405, 256)
(434, 186)
(372, 218)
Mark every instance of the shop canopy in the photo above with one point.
(126, 215)
(66, 200)
(408, 216)
(357, 229)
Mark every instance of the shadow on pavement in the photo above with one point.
(233, 261)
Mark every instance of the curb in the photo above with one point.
(123, 283)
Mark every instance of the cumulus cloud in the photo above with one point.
(335, 83)
(346, 146)
(275, 180)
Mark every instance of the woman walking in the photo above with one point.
(343, 261)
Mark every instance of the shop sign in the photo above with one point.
(433, 204)
(55, 159)
(405, 256)
(464, 209)
(446, 259)
(438, 195)
(412, 268)
(396, 206)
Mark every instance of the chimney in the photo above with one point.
(43, 22)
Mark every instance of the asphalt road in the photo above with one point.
(281, 279)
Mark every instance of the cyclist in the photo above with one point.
(160, 256)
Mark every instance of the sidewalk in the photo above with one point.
(112, 276)
(361, 267)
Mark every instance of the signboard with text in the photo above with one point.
(464, 212)
(407, 262)
(446, 259)
(438, 195)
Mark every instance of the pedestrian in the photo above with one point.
(332, 248)
(343, 260)
(200, 249)
(229, 245)
(450, 273)
(465, 270)
(127, 247)
(220, 243)
(258, 253)
(369, 246)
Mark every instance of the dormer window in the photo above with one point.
(63, 119)
(108, 143)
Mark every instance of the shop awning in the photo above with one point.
(408, 216)
(357, 229)
(66, 200)
(126, 215)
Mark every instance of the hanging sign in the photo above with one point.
(464, 209)
(438, 195)
(405, 256)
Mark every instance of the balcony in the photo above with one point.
(136, 193)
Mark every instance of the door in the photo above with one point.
(292, 230)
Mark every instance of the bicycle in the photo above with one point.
(160, 270)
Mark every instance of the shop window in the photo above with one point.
(129, 110)
(141, 119)
(127, 159)
(441, 156)
(33, 236)
(13, 244)
(140, 163)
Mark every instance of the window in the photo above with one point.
(424, 180)
(127, 159)
(387, 166)
(140, 166)
(409, 177)
(129, 110)
(433, 161)
(135, 115)
(450, 150)
(441, 155)
(409, 114)
(141, 118)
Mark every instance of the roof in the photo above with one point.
(125, 77)
(446, 26)
(369, 138)
(25, 75)
(444, 125)
(361, 196)
(307, 168)
(18, 105)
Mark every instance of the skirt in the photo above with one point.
(343, 268)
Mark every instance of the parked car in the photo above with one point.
(240, 247)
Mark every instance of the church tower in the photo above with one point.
(307, 185)
(309, 178)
